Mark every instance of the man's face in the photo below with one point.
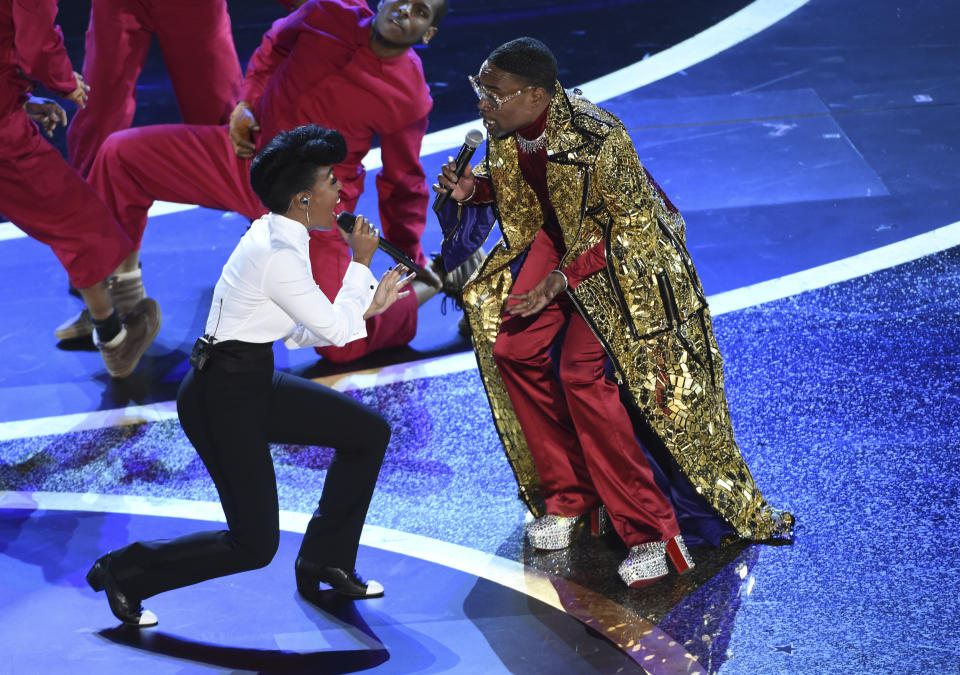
(508, 104)
(405, 22)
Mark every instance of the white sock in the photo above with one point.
(127, 276)
(115, 342)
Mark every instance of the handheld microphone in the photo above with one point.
(347, 220)
(470, 143)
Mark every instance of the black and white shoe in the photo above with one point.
(125, 608)
(344, 582)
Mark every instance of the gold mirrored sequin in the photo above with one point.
(673, 370)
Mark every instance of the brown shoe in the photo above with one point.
(76, 327)
(126, 290)
(429, 278)
(140, 327)
(454, 280)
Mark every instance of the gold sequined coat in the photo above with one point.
(647, 306)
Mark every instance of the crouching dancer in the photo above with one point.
(232, 403)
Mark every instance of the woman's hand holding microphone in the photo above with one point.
(363, 242)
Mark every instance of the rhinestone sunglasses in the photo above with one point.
(492, 99)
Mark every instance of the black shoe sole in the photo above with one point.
(311, 588)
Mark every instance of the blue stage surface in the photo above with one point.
(814, 156)
(432, 618)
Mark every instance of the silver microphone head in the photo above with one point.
(474, 138)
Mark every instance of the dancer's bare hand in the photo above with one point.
(242, 127)
(45, 112)
(390, 290)
(79, 95)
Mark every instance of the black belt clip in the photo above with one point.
(200, 355)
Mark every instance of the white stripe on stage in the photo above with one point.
(792, 284)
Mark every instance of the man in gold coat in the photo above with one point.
(592, 280)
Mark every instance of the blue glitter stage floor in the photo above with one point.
(843, 402)
(794, 150)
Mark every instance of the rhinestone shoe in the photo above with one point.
(551, 532)
(644, 564)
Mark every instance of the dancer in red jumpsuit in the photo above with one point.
(198, 50)
(332, 63)
(46, 198)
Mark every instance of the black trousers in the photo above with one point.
(230, 417)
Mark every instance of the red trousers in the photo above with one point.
(192, 164)
(577, 429)
(48, 200)
(198, 50)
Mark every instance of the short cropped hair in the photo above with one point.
(529, 59)
(288, 163)
(441, 13)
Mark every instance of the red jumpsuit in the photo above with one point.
(314, 65)
(198, 49)
(578, 431)
(39, 191)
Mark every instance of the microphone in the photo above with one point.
(474, 138)
(347, 220)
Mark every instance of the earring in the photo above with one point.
(306, 203)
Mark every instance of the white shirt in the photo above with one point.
(266, 291)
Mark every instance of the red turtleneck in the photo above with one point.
(533, 166)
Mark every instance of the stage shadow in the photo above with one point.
(334, 608)
(381, 359)
(678, 619)
(150, 382)
(239, 658)
(512, 623)
(411, 650)
(80, 344)
(695, 612)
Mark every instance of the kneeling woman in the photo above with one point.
(232, 403)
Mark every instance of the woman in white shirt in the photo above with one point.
(232, 403)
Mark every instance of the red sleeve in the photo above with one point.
(273, 50)
(401, 184)
(39, 44)
(587, 263)
(483, 194)
(593, 260)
